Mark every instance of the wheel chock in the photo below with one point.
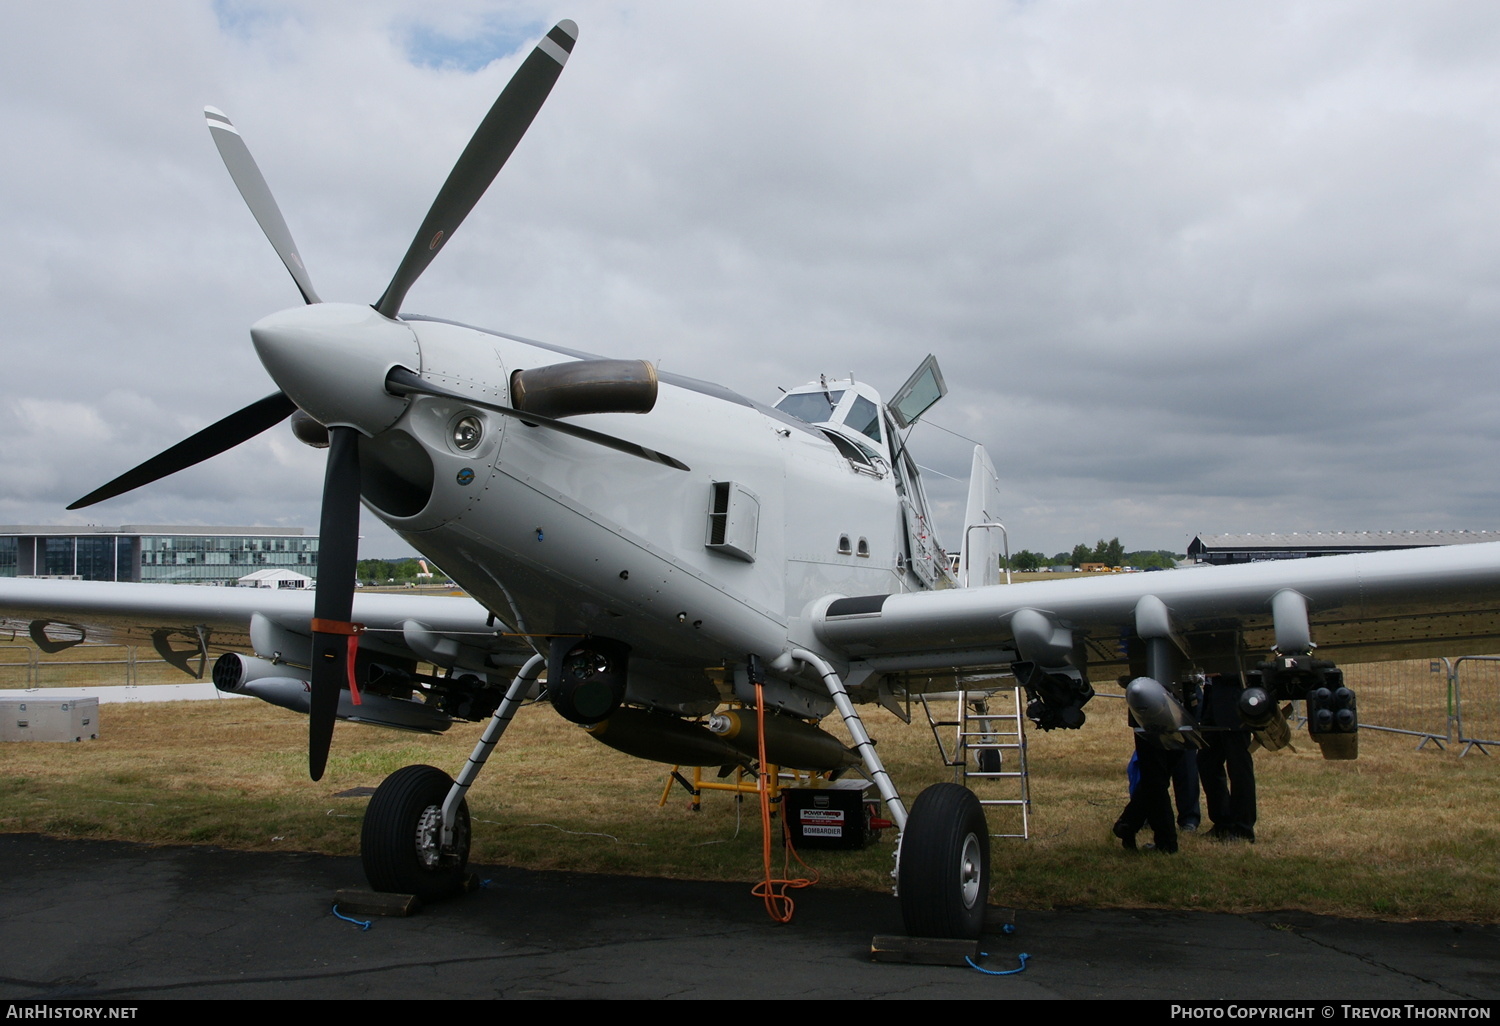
(923, 950)
(375, 903)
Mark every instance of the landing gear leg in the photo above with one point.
(943, 872)
(943, 857)
(874, 768)
(943, 862)
(415, 838)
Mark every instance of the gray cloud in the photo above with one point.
(1187, 267)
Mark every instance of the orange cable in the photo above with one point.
(779, 904)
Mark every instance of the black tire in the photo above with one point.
(944, 874)
(398, 843)
(989, 760)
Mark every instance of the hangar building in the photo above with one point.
(1254, 548)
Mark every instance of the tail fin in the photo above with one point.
(979, 559)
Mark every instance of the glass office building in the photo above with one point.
(150, 552)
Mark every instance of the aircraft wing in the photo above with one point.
(1359, 608)
(183, 622)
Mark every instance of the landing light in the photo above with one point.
(467, 433)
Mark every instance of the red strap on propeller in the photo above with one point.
(352, 630)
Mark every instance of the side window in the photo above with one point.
(848, 450)
(864, 417)
(861, 459)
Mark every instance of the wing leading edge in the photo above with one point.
(1359, 608)
(133, 613)
(402, 636)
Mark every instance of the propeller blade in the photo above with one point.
(218, 437)
(401, 381)
(482, 159)
(333, 603)
(252, 186)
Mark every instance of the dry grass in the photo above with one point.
(1400, 833)
(1397, 834)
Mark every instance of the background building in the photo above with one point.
(1255, 548)
(151, 552)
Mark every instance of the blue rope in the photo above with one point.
(363, 924)
(997, 972)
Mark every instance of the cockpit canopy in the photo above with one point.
(855, 405)
(852, 404)
(864, 431)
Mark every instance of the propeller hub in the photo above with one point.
(332, 359)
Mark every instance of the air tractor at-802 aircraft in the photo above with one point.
(655, 546)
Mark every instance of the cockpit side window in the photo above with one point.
(849, 450)
(810, 407)
(864, 417)
(861, 457)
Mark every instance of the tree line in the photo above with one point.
(374, 572)
(1110, 553)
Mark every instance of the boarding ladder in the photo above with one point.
(988, 755)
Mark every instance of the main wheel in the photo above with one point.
(944, 874)
(400, 843)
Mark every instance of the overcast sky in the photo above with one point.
(1187, 267)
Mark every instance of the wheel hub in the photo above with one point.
(429, 836)
(970, 870)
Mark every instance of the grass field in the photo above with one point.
(1398, 834)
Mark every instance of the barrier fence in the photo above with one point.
(26, 666)
(1449, 701)
(1411, 696)
(1477, 701)
(1441, 700)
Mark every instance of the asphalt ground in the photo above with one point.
(104, 921)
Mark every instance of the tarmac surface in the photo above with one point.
(91, 920)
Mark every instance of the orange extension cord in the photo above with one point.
(779, 904)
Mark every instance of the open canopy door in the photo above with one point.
(922, 389)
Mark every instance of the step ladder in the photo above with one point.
(988, 753)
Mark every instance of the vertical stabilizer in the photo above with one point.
(979, 559)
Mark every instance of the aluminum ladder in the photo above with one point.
(988, 749)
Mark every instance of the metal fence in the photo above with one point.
(1412, 696)
(1476, 692)
(86, 665)
(1446, 701)
(1442, 701)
